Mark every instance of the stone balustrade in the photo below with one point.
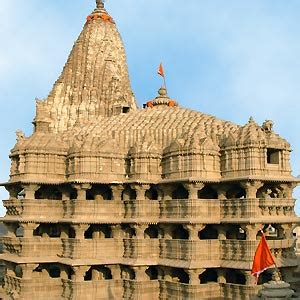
(33, 247)
(93, 289)
(141, 209)
(98, 249)
(183, 210)
(176, 290)
(37, 288)
(205, 252)
(242, 252)
(146, 290)
(237, 291)
(208, 211)
(146, 249)
(241, 209)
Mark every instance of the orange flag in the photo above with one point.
(263, 258)
(161, 71)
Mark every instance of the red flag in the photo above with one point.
(161, 71)
(263, 258)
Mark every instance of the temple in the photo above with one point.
(111, 201)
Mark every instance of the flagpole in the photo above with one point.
(165, 84)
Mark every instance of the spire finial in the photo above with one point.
(99, 4)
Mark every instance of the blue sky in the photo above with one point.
(232, 59)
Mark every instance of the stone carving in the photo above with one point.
(268, 126)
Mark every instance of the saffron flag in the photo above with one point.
(161, 71)
(263, 258)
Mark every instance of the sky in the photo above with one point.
(232, 59)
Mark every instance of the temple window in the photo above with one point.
(208, 233)
(273, 156)
(235, 276)
(179, 233)
(207, 193)
(152, 273)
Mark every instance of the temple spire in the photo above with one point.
(99, 4)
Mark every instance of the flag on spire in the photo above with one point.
(161, 70)
(263, 258)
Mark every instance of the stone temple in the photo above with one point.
(111, 201)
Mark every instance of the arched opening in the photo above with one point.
(128, 194)
(127, 273)
(48, 230)
(100, 193)
(207, 193)
(129, 232)
(88, 274)
(210, 275)
(73, 194)
(104, 273)
(72, 233)
(235, 276)
(152, 232)
(236, 192)
(180, 193)
(19, 231)
(48, 192)
(180, 233)
(179, 275)
(235, 232)
(54, 271)
(98, 231)
(152, 273)
(151, 194)
(208, 233)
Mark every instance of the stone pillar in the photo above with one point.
(30, 190)
(167, 229)
(222, 233)
(250, 279)
(81, 190)
(286, 231)
(251, 231)
(193, 188)
(194, 275)
(117, 192)
(140, 273)
(115, 271)
(140, 190)
(117, 232)
(167, 191)
(221, 190)
(80, 230)
(65, 192)
(13, 191)
(251, 188)
(79, 273)
(140, 230)
(193, 230)
(221, 276)
(27, 270)
(28, 229)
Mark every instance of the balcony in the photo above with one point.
(237, 291)
(35, 288)
(204, 211)
(234, 254)
(40, 210)
(36, 247)
(275, 209)
(204, 253)
(140, 210)
(94, 289)
(93, 249)
(146, 250)
(136, 290)
(176, 290)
